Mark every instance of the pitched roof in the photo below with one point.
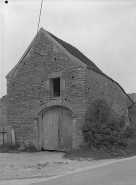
(76, 53)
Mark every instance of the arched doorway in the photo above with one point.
(57, 129)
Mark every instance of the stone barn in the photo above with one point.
(49, 91)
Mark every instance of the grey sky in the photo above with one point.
(105, 31)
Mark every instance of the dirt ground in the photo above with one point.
(39, 164)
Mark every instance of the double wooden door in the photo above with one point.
(57, 129)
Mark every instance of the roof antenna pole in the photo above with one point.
(38, 24)
(39, 16)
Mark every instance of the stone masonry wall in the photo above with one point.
(98, 86)
(26, 89)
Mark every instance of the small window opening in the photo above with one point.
(56, 87)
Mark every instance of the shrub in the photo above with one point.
(105, 135)
(131, 146)
(103, 128)
(9, 148)
(31, 148)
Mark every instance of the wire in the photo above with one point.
(38, 25)
(40, 16)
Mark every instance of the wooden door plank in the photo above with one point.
(50, 129)
(57, 129)
(68, 130)
(65, 130)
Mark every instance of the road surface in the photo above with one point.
(119, 173)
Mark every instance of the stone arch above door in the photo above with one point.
(57, 102)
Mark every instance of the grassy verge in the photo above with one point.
(91, 154)
(96, 155)
(7, 148)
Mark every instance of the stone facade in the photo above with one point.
(29, 93)
(26, 89)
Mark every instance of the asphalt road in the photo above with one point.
(120, 173)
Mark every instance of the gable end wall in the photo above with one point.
(27, 89)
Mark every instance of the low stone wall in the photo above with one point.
(3, 117)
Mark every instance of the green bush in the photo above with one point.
(103, 128)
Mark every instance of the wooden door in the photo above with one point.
(50, 129)
(57, 129)
(65, 128)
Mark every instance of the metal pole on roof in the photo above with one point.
(39, 16)
(38, 24)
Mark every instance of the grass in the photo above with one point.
(84, 153)
(8, 148)
(92, 154)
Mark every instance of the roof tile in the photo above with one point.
(76, 53)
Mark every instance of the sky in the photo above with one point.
(104, 31)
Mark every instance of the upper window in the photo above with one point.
(56, 87)
(55, 84)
